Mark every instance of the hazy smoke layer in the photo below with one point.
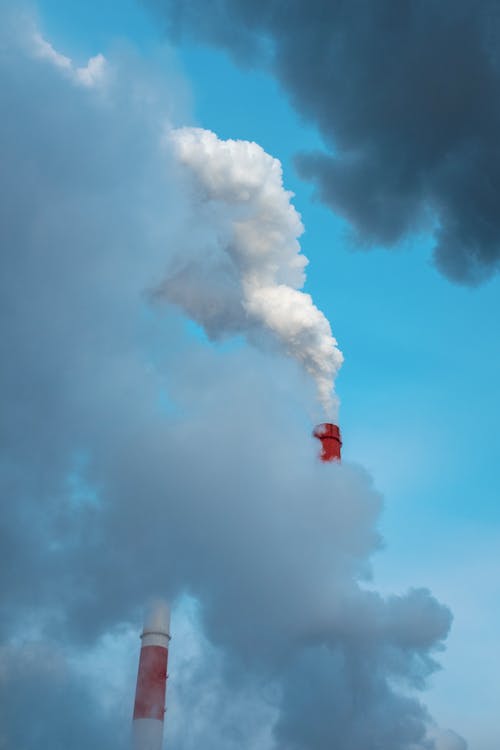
(131, 473)
(246, 271)
(407, 94)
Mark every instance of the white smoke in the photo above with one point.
(248, 280)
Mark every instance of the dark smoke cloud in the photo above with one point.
(138, 461)
(406, 94)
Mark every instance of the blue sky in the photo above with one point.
(419, 386)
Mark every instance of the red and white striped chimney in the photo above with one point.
(149, 707)
(331, 441)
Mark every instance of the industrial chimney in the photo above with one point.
(331, 442)
(149, 708)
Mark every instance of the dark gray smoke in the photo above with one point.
(406, 94)
(137, 461)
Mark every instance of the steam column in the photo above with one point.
(149, 707)
(331, 442)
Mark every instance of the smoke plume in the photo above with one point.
(406, 96)
(245, 274)
(139, 461)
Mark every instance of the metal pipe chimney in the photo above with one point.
(331, 441)
(149, 707)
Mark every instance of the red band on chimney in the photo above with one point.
(331, 442)
(151, 683)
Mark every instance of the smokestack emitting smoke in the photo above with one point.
(246, 274)
(337, 664)
(149, 707)
(331, 442)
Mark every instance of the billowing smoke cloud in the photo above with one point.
(131, 473)
(407, 96)
(245, 274)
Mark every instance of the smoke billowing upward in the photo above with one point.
(125, 479)
(406, 94)
(245, 273)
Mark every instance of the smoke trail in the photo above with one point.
(249, 281)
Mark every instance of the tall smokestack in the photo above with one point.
(331, 442)
(149, 707)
